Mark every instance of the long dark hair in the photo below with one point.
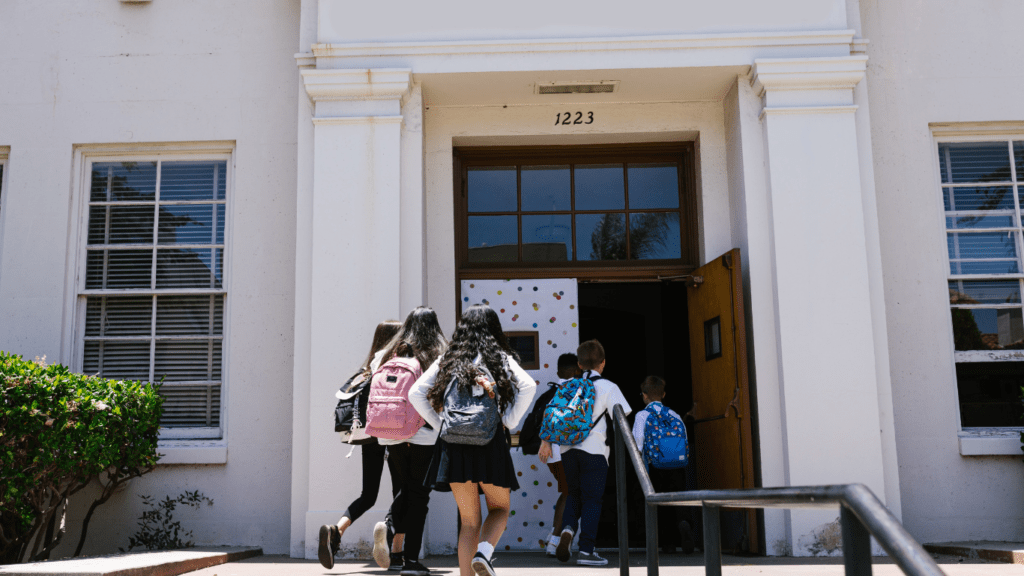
(478, 332)
(422, 333)
(385, 331)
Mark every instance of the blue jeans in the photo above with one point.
(586, 475)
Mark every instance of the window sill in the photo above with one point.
(990, 442)
(192, 452)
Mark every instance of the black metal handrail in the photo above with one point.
(861, 516)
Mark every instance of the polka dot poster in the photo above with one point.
(549, 308)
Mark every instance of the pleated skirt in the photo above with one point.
(459, 463)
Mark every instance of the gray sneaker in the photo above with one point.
(592, 559)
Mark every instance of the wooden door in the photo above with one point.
(722, 445)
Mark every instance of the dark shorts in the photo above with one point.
(559, 473)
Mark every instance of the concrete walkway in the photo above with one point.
(536, 564)
(164, 563)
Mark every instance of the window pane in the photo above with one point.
(978, 198)
(185, 315)
(1018, 159)
(547, 238)
(124, 269)
(493, 239)
(600, 237)
(123, 182)
(117, 360)
(187, 360)
(990, 393)
(600, 187)
(192, 180)
(975, 162)
(979, 221)
(654, 235)
(545, 188)
(191, 406)
(191, 224)
(653, 186)
(127, 224)
(1000, 248)
(119, 316)
(492, 189)
(984, 292)
(987, 328)
(187, 268)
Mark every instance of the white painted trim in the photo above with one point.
(808, 73)
(789, 110)
(598, 44)
(975, 131)
(990, 442)
(177, 452)
(305, 60)
(356, 83)
(345, 120)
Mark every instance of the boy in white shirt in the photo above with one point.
(586, 463)
(653, 391)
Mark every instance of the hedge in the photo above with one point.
(58, 432)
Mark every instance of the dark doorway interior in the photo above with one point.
(643, 328)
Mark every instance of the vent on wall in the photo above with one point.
(562, 87)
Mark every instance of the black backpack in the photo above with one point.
(350, 413)
(529, 435)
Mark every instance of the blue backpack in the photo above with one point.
(665, 443)
(569, 416)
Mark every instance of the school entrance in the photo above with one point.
(573, 243)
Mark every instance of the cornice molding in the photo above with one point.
(792, 110)
(347, 120)
(356, 84)
(669, 42)
(807, 73)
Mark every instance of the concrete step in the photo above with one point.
(159, 563)
(1012, 552)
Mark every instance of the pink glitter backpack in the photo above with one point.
(389, 414)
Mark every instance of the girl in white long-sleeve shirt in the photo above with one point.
(467, 470)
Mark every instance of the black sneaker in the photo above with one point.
(687, 537)
(414, 568)
(396, 561)
(564, 542)
(482, 565)
(330, 541)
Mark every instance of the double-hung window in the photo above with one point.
(983, 192)
(152, 295)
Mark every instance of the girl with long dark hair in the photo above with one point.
(373, 456)
(420, 337)
(466, 470)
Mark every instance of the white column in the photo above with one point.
(355, 261)
(827, 380)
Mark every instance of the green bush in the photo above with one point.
(58, 432)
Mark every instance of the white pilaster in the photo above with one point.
(355, 259)
(826, 350)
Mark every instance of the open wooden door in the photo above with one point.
(722, 444)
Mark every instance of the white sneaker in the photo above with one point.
(592, 559)
(552, 546)
(381, 553)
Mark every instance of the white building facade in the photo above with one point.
(231, 195)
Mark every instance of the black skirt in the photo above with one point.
(459, 463)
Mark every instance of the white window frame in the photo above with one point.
(980, 441)
(178, 445)
(5, 152)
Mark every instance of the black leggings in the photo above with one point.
(410, 463)
(373, 468)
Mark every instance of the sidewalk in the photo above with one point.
(536, 564)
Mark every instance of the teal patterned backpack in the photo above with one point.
(569, 416)
(665, 443)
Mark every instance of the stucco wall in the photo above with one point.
(953, 64)
(165, 72)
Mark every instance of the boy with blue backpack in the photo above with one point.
(661, 436)
(575, 419)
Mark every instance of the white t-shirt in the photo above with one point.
(608, 395)
(524, 390)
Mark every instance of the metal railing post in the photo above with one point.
(620, 493)
(712, 540)
(652, 540)
(856, 544)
